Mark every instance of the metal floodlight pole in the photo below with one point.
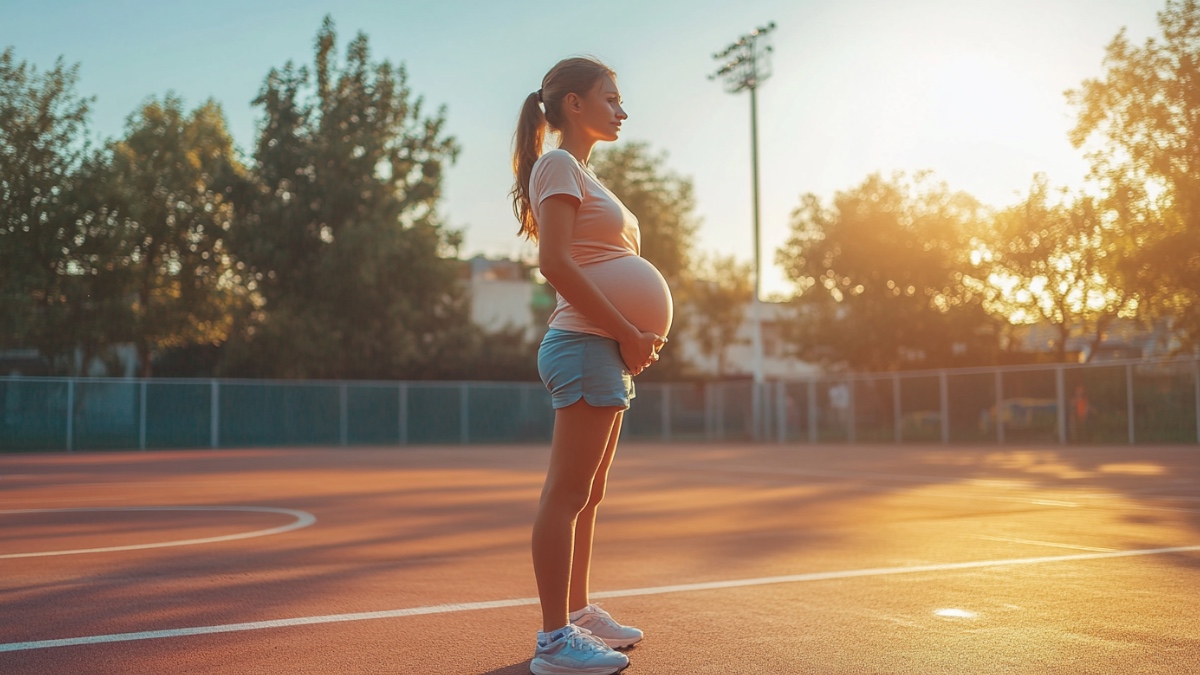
(744, 65)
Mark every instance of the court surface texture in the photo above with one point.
(733, 558)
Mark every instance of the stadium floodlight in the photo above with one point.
(746, 63)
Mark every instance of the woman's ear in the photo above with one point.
(572, 102)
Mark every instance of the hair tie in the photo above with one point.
(539, 93)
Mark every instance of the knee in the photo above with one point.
(566, 498)
(595, 497)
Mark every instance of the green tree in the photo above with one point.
(885, 277)
(719, 300)
(96, 313)
(61, 280)
(340, 232)
(1050, 261)
(663, 201)
(1140, 127)
(175, 174)
(665, 205)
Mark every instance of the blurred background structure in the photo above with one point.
(1129, 402)
(157, 284)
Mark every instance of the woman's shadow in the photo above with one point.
(522, 668)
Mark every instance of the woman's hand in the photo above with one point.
(641, 352)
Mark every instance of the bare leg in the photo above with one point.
(581, 561)
(581, 435)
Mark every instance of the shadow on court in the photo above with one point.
(420, 527)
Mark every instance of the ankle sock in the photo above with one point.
(577, 614)
(547, 638)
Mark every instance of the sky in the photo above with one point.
(972, 91)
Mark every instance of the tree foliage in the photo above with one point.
(719, 299)
(1053, 261)
(665, 205)
(1140, 127)
(61, 284)
(663, 201)
(175, 175)
(339, 229)
(885, 277)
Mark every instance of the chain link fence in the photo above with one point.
(1114, 402)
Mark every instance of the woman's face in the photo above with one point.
(600, 114)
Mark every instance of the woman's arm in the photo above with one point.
(555, 229)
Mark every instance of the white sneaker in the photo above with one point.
(576, 652)
(601, 624)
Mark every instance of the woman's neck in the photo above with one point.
(580, 147)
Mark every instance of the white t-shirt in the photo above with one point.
(606, 243)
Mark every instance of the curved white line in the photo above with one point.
(303, 519)
(517, 602)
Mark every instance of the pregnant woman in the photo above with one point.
(613, 315)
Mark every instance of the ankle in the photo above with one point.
(548, 636)
(572, 616)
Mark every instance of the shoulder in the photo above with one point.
(557, 160)
(557, 172)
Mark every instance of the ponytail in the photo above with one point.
(570, 76)
(531, 134)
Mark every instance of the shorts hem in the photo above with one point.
(563, 402)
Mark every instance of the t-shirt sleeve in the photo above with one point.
(556, 174)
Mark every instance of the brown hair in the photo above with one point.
(570, 76)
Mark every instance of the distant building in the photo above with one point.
(511, 294)
(1124, 339)
(117, 361)
(778, 363)
(504, 295)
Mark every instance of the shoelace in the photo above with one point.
(583, 640)
(594, 610)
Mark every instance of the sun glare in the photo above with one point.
(979, 98)
(955, 613)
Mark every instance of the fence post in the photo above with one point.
(781, 411)
(851, 422)
(525, 425)
(766, 432)
(897, 410)
(71, 415)
(1000, 407)
(944, 404)
(665, 417)
(755, 412)
(142, 417)
(1129, 402)
(1061, 406)
(403, 417)
(812, 411)
(464, 420)
(709, 411)
(721, 412)
(343, 416)
(214, 431)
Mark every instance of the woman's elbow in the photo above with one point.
(552, 267)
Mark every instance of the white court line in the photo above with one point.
(1043, 543)
(796, 471)
(944, 481)
(303, 519)
(517, 602)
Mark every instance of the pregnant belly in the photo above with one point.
(637, 290)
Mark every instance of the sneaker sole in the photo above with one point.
(620, 644)
(539, 669)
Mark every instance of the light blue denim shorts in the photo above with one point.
(580, 365)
